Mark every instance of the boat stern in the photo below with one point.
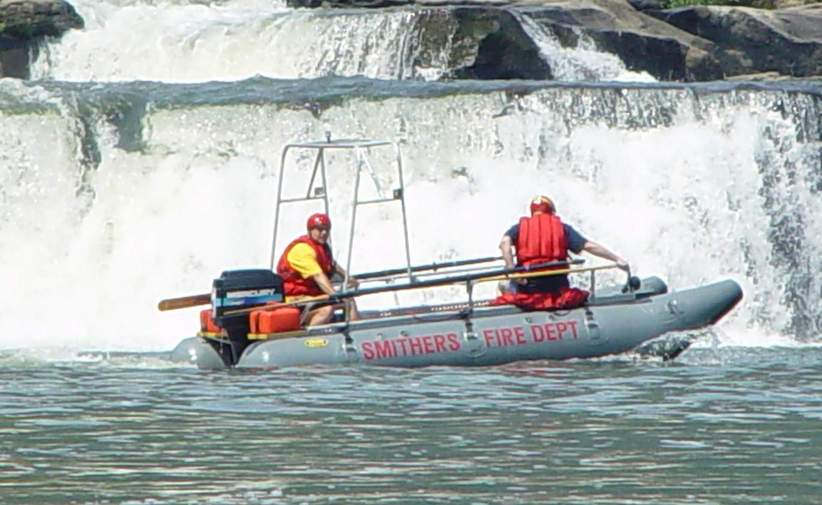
(195, 350)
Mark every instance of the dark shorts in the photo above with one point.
(544, 284)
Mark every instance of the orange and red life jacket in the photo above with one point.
(293, 282)
(541, 239)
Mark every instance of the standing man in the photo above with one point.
(542, 238)
(306, 268)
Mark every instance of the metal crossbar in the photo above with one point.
(360, 147)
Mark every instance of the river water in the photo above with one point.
(142, 159)
(718, 426)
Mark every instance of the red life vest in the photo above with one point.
(541, 239)
(293, 282)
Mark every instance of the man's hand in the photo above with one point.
(353, 283)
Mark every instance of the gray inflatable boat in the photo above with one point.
(473, 333)
(483, 335)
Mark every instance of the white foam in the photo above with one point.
(189, 41)
(683, 202)
(234, 40)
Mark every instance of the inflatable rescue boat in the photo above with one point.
(248, 324)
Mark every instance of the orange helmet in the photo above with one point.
(318, 220)
(542, 204)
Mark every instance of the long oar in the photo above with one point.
(504, 273)
(425, 268)
(501, 274)
(548, 273)
(184, 302)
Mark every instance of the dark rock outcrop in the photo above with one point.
(686, 44)
(642, 42)
(485, 39)
(644, 5)
(23, 22)
(495, 46)
(748, 41)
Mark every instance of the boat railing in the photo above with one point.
(470, 280)
(318, 184)
(462, 309)
(417, 277)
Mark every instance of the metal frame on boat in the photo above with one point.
(471, 333)
(359, 148)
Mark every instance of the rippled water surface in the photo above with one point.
(733, 425)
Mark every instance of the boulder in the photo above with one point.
(491, 44)
(23, 22)
(644, 5)
(749, 41)
(644, 43)
(485, 39)
(29, 19)
(686, 44)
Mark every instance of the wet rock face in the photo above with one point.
(749, 41)
(23, 22)
(644, 5)
(495, 46)
(485, 39)
(27, 19)
(686, 44)
(697, 43)
(14, 58)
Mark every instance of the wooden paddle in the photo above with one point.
(544, 273)
(194, 300)
(503, 273)
(424, 268)
(184, 302)
(513, 273)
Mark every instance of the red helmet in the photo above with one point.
(542, 204)
(318, 220)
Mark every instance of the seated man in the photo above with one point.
(543, 238)
(307, 266)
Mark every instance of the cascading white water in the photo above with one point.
(680, 184)
(238, 39)
(95, 228)
(581, 63)
(193, 42)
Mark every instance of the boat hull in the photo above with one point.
(488, 336)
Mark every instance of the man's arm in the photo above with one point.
(506, 247)
(324, 283)
(605, 253)
(339, 270)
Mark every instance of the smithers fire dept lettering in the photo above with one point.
(536, 334)
(450, 342)
(410, 346)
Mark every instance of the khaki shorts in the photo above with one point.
(301, 298)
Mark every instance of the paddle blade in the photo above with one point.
(184, 302)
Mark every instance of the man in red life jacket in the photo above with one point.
(307, 266)
(542, 238)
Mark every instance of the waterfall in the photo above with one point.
(142, 160)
